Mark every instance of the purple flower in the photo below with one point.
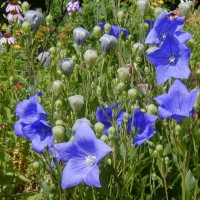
(114, 30)
(73, 6)
(30, 110)
(108, 42)
(143, 124)
(55, 155)
(171, 60)
(177, 103)
(106, 117)
(82, 157)
(80, 35)
(164, 26)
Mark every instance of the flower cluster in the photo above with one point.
(73, 6)
(13, 9)
(32, 124)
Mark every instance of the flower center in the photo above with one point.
(172, 59)
(178, 110)
(90, 160)
(6, 35)
(14, 12)
(163, 36)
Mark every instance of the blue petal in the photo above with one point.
(74, 172)
(18, 129)
(114, 31)
(67, 150)
(101, 150)
(104, 116)
(84, 138)
(125, 31)
(183, 36)
(92, 178)
(164, 113)
(120, 117)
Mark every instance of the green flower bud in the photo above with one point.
(123, 73)
(154, 176)
(107, 28)
(76, 102)
(49, 20)
(191, 43)
(59, 133)
(132, 94)
(58, 104)
(159, 149)
(52, 50)
(138, 49)
(36, 165)
(59, 122)
(97, 31)
(157, 11)
(120, 16)
(166, 160)
(184, 8)
(57, 86)
(90, 57)
(26, 27)
(99, 127)
(104, 138)
(111, 132)
(142, 6)
(120, 87)
(126, 118)
(109, 161)
(25, 6)
(151, 109)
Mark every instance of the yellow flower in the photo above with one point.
(160, 2)
(154, 4)
(16, 46)
(38, 35)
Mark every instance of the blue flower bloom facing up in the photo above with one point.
(82, 157)
(164, 26)
(114, 30)
(105, 116)
(143, 124)
(171, 60)
(177, 103)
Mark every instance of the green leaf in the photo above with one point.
(189, 181)
(123, 151)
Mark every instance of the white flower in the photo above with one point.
(7, 39)
(80, 35)
(107, 42)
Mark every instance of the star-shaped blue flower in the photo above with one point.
(164, 26)
(82, 157)
(177, 103)
(114, 30)
(143, 124)
(171, 60)
(105, 116)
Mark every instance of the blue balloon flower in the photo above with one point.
(164, 26)
(177, 103)
(171, 60)
(114, 30)
(106, 117)
(82, 156)
(143, 124)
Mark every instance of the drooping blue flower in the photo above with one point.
(106, 117)
(143, 124)
(80, 35)
(82, 157)
(171, 60)
(177, 103)
(30, 110)
(114, 30)
(164, 26)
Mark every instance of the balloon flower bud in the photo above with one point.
(44, 58)
(99, 128)
(97, 31)
(108, 42)
(151, 109)
(25, 6)
(123, 73)
(59, 133)
(80, 35)
(90, 57)
(26, 27)
(142, 6)
(57, 86)
(132, 94)
(138, 49)
(34, 17)
(76, 102)
(107, 28)
(49, 20)
(184, 8)
(120, 16)
(58, 104)
(67, 66)
(157, 11)
(78, 122)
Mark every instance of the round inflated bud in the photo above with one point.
(126, 118)
(49, 20)
(97, 31)
(120, 16)
(59, 133)
(26, 27)
(25, 6)
(157, 11)
(57, 86)
(104, 138)
(111, 132)
(90, 57)
(132, 94)
(76, 102)
(151, 109)
(120, 87)
(59, 122)
(107, 28)
(191, 43)
(184, 8)
(36, 165)
(178, 129)
(109, 161)
(159, 149)
(138, 49)
(58, 104)
(52, 50)
(124, 73)
(67, 65)
(166, 160)
(99, 128)
(142, 6)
